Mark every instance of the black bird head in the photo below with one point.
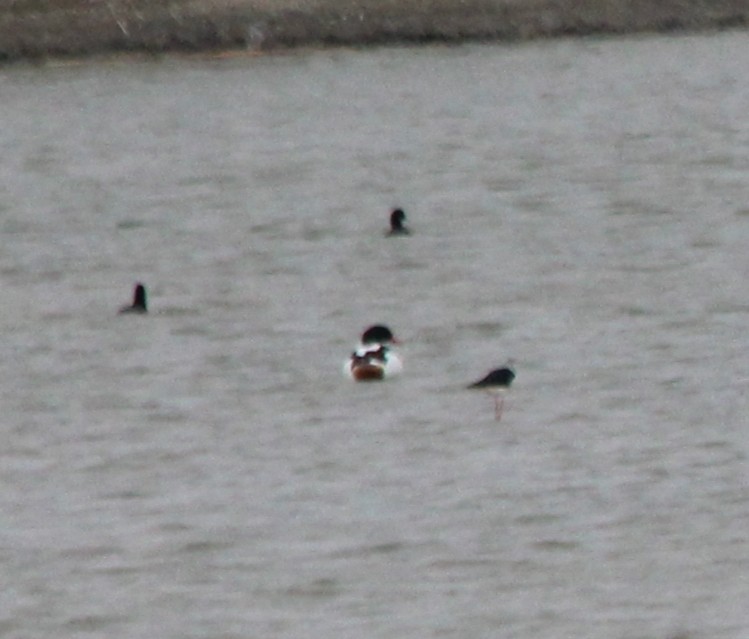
(378, 334)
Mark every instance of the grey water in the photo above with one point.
(207, 471)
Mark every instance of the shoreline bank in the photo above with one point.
(37, 29)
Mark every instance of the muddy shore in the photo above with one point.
(32, 29)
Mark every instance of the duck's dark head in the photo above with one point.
(378, 334)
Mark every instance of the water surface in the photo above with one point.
(207, 471)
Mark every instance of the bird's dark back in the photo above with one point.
(499, 377)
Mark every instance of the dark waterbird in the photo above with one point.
(496, 383)
(397, 217)
(139, 304)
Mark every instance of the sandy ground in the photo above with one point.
(40, 28)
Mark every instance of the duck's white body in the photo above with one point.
(373, 362)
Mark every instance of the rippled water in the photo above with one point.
(206, 471)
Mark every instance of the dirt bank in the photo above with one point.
(39, 28)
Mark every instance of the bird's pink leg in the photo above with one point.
(498, 403)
